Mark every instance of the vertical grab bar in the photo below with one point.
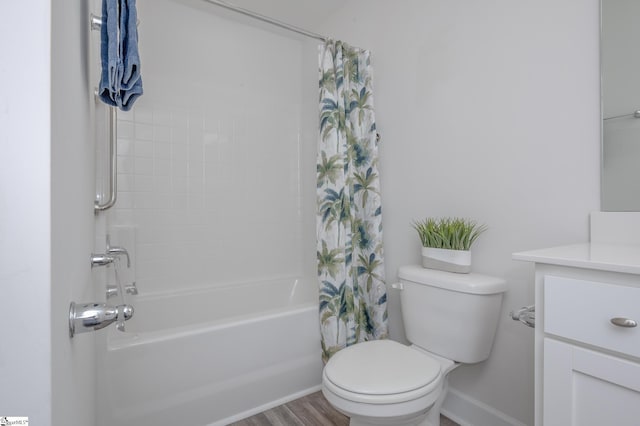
(96, 24)
(113, 163)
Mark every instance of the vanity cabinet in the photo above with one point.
(591, 368)
(584, 387)
(587, 367)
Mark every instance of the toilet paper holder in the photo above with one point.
(526, 315)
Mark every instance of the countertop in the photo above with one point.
(623, 258)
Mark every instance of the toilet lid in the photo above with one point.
(381, 367)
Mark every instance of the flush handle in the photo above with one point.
(624, 322)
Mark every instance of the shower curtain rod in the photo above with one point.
(266, 19)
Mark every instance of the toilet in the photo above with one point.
(450, 319)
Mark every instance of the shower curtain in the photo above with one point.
(353, 298)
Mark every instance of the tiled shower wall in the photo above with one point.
(216, 162)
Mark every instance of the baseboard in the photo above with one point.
(266, 406)
(459, 407)
(467, 411)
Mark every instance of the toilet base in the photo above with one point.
(382, 416)
(430, 417)
(413, 421)
(423, 411)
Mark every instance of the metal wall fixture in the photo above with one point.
(85, 317)
(526, 315)
(624, 322)
(118, 251)
(101, 259)
(113, 164)
(113, 290)
(96, 22)
(113, 252)
(99, 206)
(266, 19)
(635, 114)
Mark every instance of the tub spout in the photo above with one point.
(86, 317)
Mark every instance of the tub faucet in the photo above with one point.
(101, 259)
(118, 251)
(131, 289)
(112, 291)
(84, 317)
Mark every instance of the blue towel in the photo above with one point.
(129, 54)
(109, 52)
(128, 97)
(120, 82)
(130, 79)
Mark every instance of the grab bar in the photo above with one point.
(96, 22)
(113, 163)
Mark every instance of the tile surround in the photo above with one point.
(216, 190)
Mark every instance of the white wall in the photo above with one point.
(72, 217)
(25, 264)
(488, 110)
(46, 218)
(210, 158)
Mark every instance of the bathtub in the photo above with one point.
(210, 356)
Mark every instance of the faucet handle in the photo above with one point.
(112, 290)
(117, 251)
(131, 289)
(124, 312)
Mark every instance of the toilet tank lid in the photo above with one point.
(464, 283)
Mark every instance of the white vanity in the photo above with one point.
(587, 336)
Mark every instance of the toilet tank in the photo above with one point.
(451, 315)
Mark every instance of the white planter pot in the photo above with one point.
(447, 260)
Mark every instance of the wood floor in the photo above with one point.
(311, 410)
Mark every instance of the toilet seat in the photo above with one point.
(381, 372)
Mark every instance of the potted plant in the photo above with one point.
(446, 242)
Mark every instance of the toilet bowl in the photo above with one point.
(447, 317)
(384, 382)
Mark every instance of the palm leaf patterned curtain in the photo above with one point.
(353, 298)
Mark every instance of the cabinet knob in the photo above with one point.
(624, 322)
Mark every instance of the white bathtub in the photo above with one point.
(211, 356)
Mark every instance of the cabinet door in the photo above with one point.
(586, 317)
(587, 388)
